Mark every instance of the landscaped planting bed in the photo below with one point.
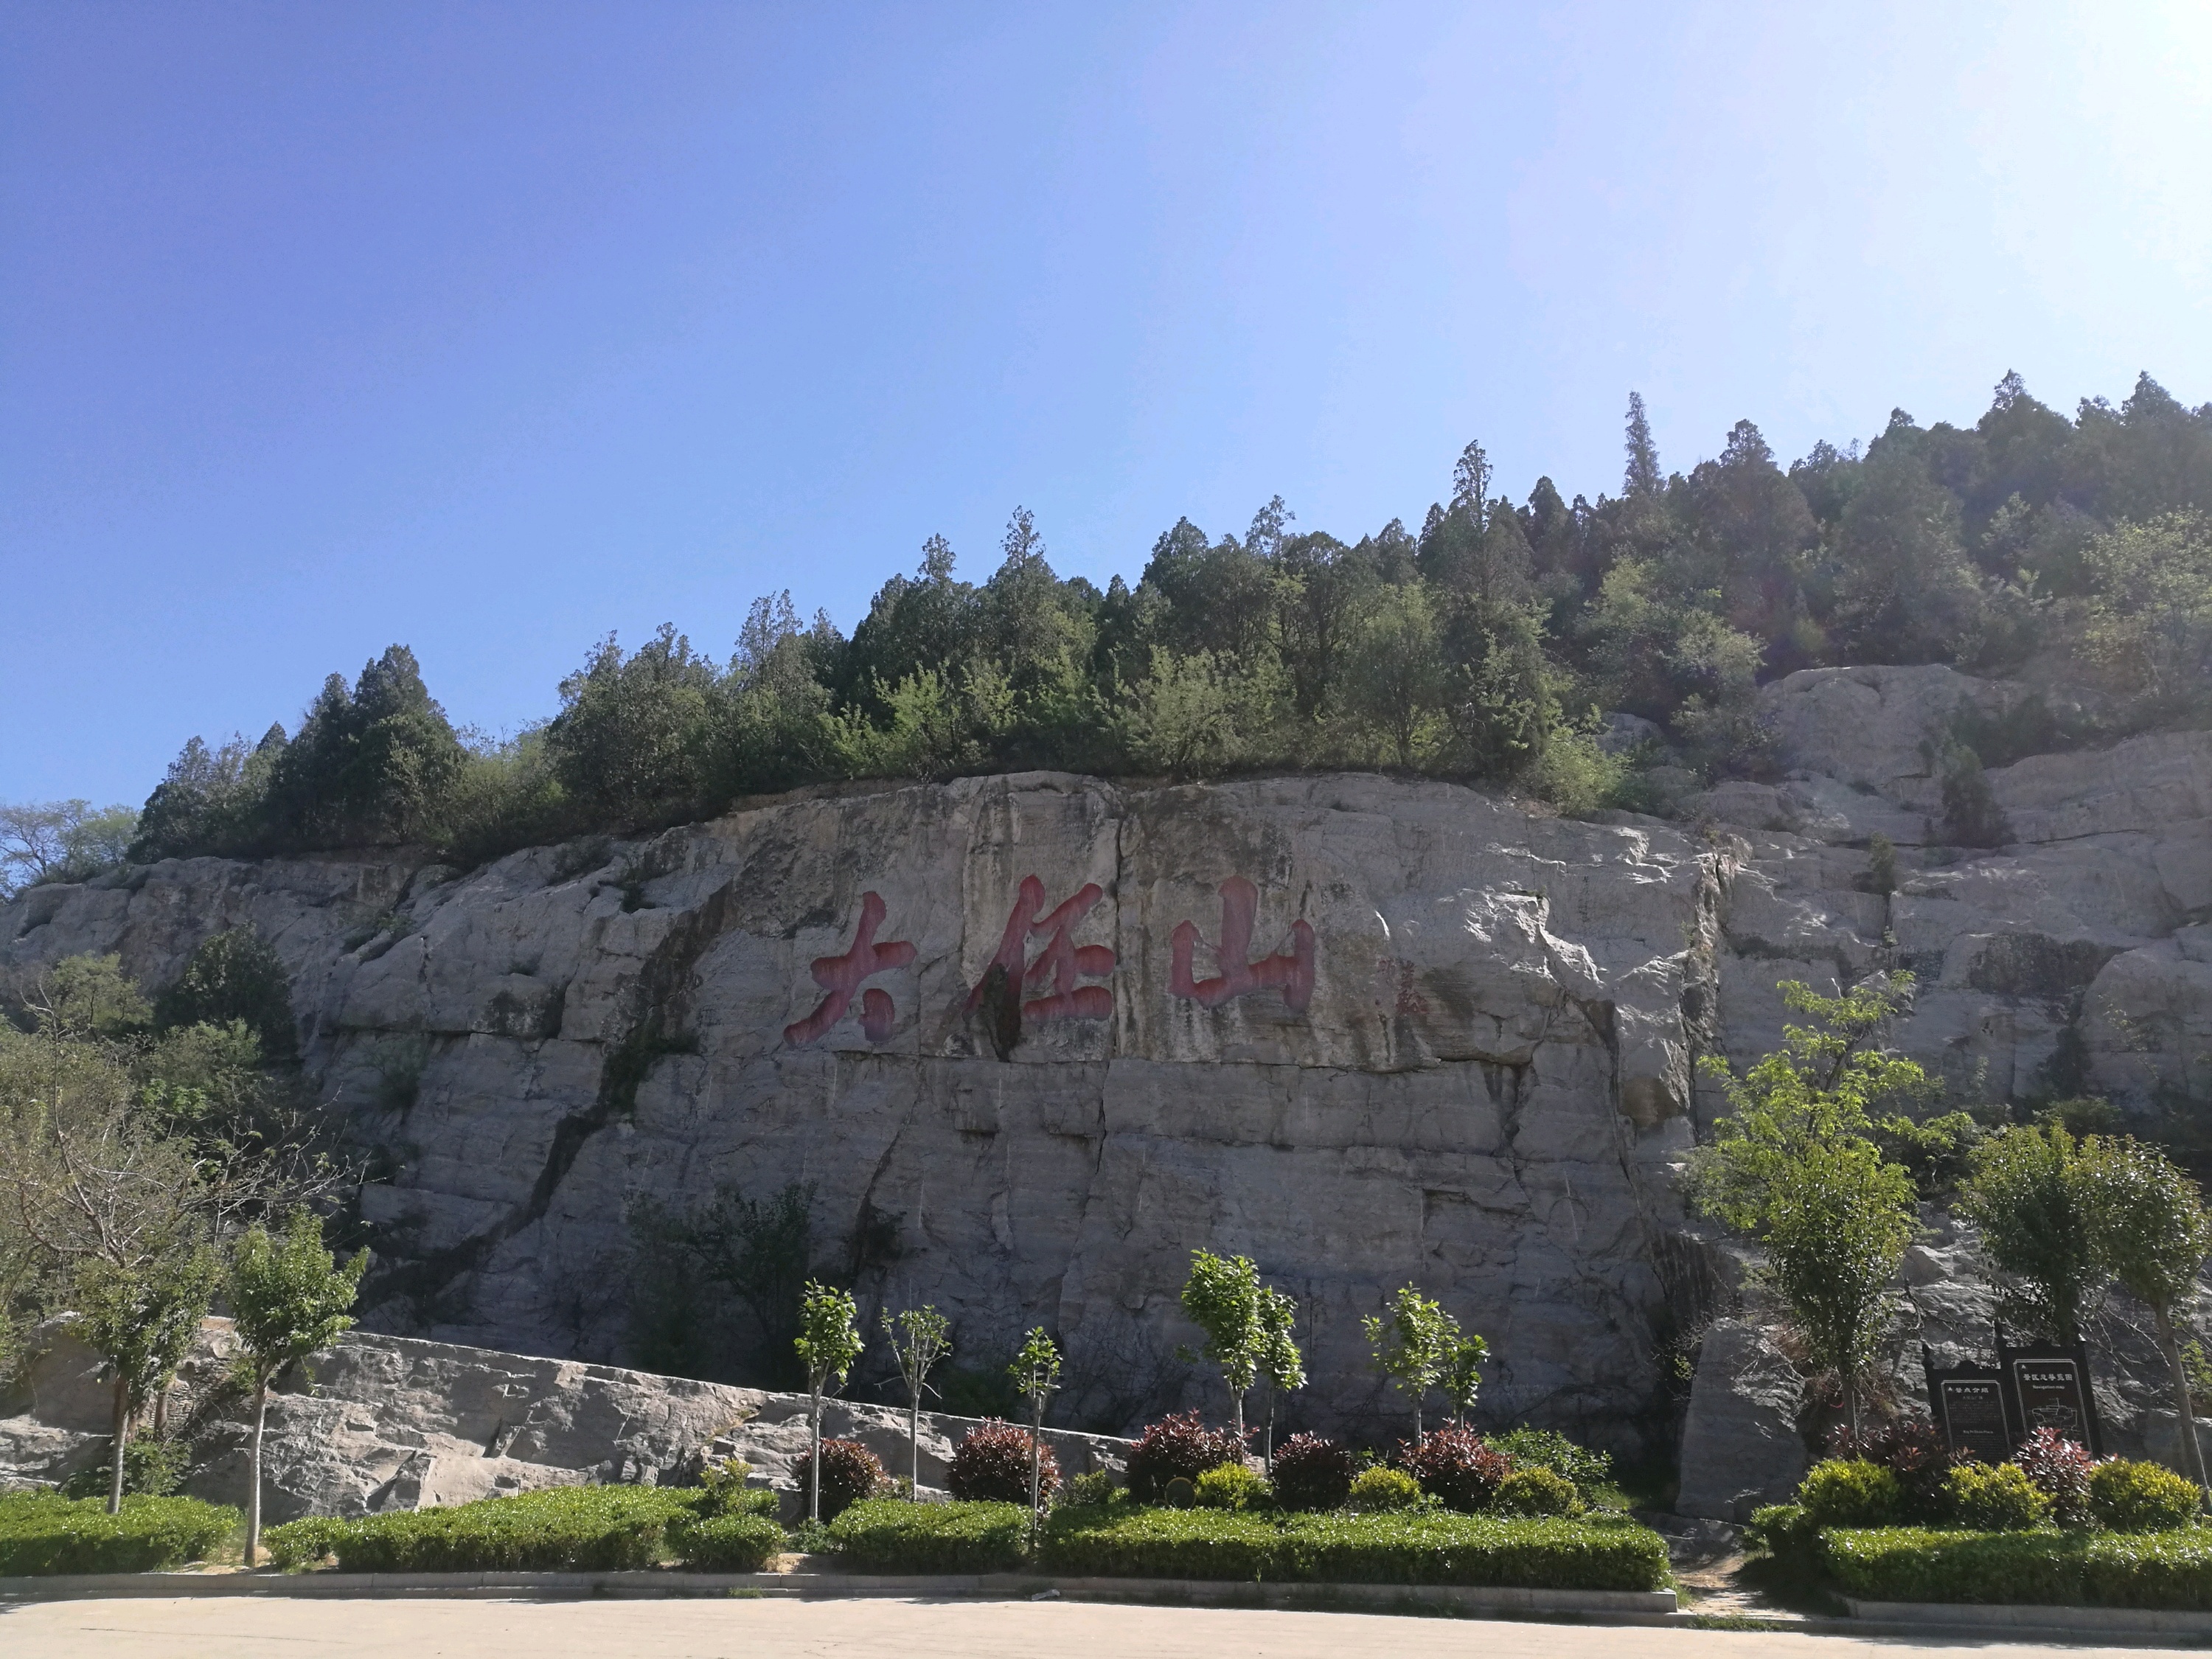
(565, 1529)
(1132, 1540)
(2157, 1569)
(41, 1533)
(892, 1536)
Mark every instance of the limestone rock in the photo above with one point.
(1741, 1446)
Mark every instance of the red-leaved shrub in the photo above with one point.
(991, 1465)
(850, 1472)
(2059, 1469)
(1457, 1465)
(1312, 1473)
(1178, 1446)
(1910, 1448)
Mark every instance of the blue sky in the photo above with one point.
(490, 328)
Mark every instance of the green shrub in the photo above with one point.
(1850, 1492)
(2126, 1496)
(302, 1543)
(1178, 1447)
(2171, 1570)
(1590, 1470)
(885, 1536)
(44, 1533)
(725, 1543)
(1436, 1548)
(561, 1530)
(1381, 1490)
(1993, 1498)
(1785, 1532)
(1311, 1472)
(151, 1468)
(1095, 1487)
(1230, 1487)
(724, 1483)
(1537, 1490)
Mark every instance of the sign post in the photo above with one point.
(2046, 1386)
(1968, 1404)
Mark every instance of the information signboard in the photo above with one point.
(1968, 1404)
(2048, 1387)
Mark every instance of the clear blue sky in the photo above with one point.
(488, 328)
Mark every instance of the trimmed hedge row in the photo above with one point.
(561, 1530)
(2168, 1570)
(41, 1533)
(1122, 1540)
(889, 1535)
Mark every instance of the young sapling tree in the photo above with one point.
(1223, 1298)
(1413, 1339)
(920, 1337)
(828, 1341)
(288, 1296)
(142, 1321)
(1036, 1372)
(1462, 1376)
(1280, 1363)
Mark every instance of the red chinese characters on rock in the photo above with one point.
(1291, 974)
(842, 975)
(1062, 961)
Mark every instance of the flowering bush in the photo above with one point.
(2059, 1469)
(1179, 1445)
(1311, 1473)
(991, 1465)
(850, 1473)
(1458, 1466)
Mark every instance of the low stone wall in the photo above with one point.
(380, 1423)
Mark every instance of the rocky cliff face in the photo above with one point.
(1032, 1038)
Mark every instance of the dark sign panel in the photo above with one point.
(1970, 1411)
(2049, 1388)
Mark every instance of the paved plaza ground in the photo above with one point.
(238, 1629)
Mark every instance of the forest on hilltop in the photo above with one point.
(1480, 646)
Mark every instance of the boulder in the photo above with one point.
(1740, 1444)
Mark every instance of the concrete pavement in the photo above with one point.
(741, 1628)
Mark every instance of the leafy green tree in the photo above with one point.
(1905, 591)
(374, 764)
(828, 1343)
(59, 840)
(1462, 1376)
(2148, 623)
(1412, 1342)
(1794, 1166)
(1282, 1367)
(1393, 688)
(234, 976)
(2150, 1229)
(2026, 1191)
(920, 1337)
(633, 733)
(142, 1315)
(1223, 1297)
(289, 1297)
(1035, 1374)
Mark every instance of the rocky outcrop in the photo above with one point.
(381, 1423)
(1030, 1039)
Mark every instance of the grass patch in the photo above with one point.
(1121, 1540)
(2165, 1571)
(562, 1529)
(888, 1534)
(41, 1533)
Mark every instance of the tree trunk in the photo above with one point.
(1267, 1437)
(1036, 1455)
(2192, 1454)
(1237, 1419)
(253, 1476)
(914, 1446)
(1851, 1412)
(122, 1437)
(1417, 1419)
(814, 1462)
